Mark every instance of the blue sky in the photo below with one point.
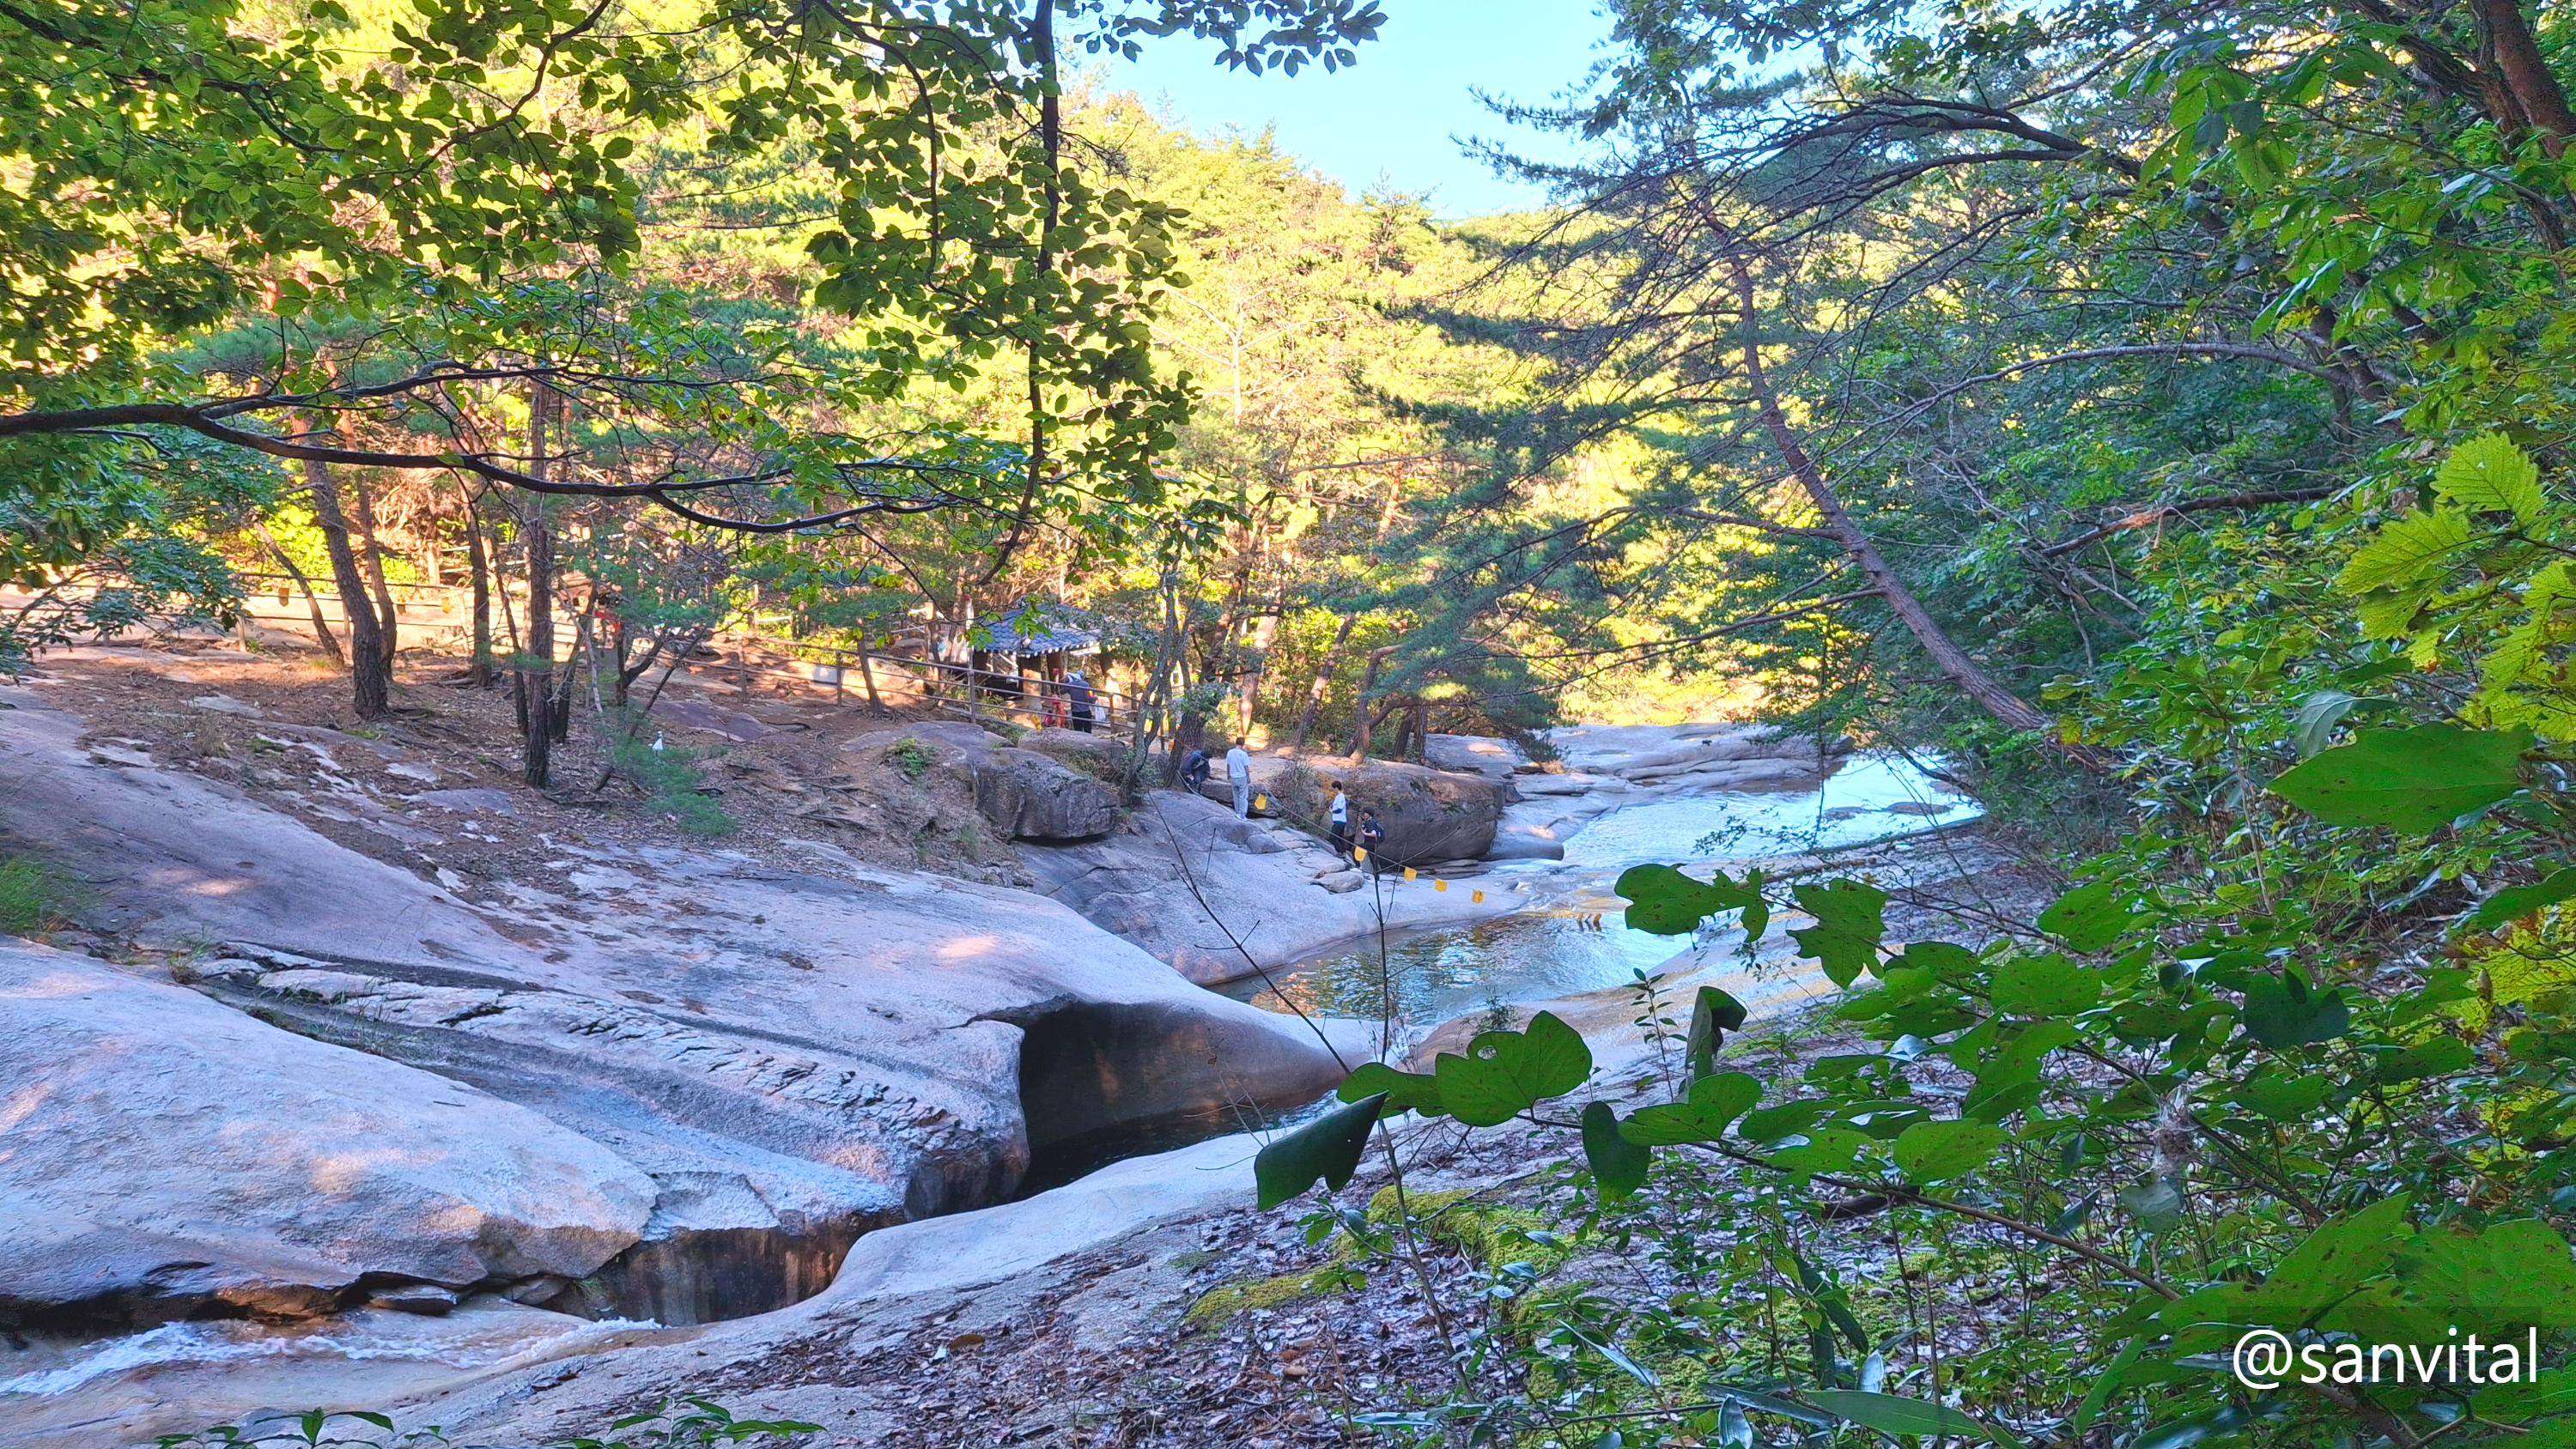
(1388, 122)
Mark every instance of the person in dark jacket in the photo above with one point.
(1078, 690)
(1194, 770)
(1372, 839)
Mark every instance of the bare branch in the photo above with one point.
(2157, 513)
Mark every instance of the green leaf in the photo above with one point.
(2283, 1099)
(2318, 714)
(2089, 917)
(1714, 1013)
(2329, 1263)
(1328, 1147)
(2415, 780)
(1505, 1073)
(2488, 474)
(1889, 1414)
(1827, 1149)
(1785, 1120)
(1939, 1151)
(1849, 922)
(2515, 1273)
(2281, 1012)
(2440, 1057)
(1618, 1164)
(1665, 902)
(2552, 1393)
(1404, 1091)
(1715, 1101)
(2156, 1204)
(2044, 986)
(2515, 902)
(2412, 548)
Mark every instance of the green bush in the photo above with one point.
(670, 777)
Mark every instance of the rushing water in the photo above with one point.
(1573, 937)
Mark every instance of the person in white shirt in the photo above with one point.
(1238, 773)
(1341, 819)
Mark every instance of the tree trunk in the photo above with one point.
(370, 682)
(478, 672)
(1247, 678)
(1947, 656)
(1368, 681)
(312, 605)
(2532, 91)
(868, 676)
(1323, 678)
(372, 554)
(535, 683)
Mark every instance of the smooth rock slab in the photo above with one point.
(163, 1156)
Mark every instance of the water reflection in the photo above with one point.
(1439, 974)
(1574, 938)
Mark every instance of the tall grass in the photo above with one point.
(34, 896)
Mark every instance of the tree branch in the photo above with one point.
(2157, 513)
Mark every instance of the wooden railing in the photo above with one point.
(969, 693)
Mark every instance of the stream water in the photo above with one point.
(1572, 936)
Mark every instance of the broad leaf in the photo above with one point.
(1939, 1151)
(2331, 1262)
(1849, 923)
(1618, 1164)
(1714, 1013)
(1786, 1120)
(1715, 1101)
(2411, 549)
(2284, 1099)
(2513, 1273)
(2313, 726)
(1328, 1148)
(1827, 1149)
(2281, 1012)
(2415, 780)
(2089, 917)
(1404, 1091)
(1665, 902)
(2515, 902)
(2156, 1204)
(2488, 474)
(1505, 1073)
(2044, 986)
(2440, 1057)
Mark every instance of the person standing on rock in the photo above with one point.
(1078, 689)
(1238, 773)
(1340, 813)
(1372, 840)
(1194, 770)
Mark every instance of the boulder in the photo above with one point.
(1029, 796)
(1103, 757)
(167, 1157)
(1429, 815)
(1203, 890)
(1481, 754)
(1663, 754)
(1025, 794)
(792, 1056)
